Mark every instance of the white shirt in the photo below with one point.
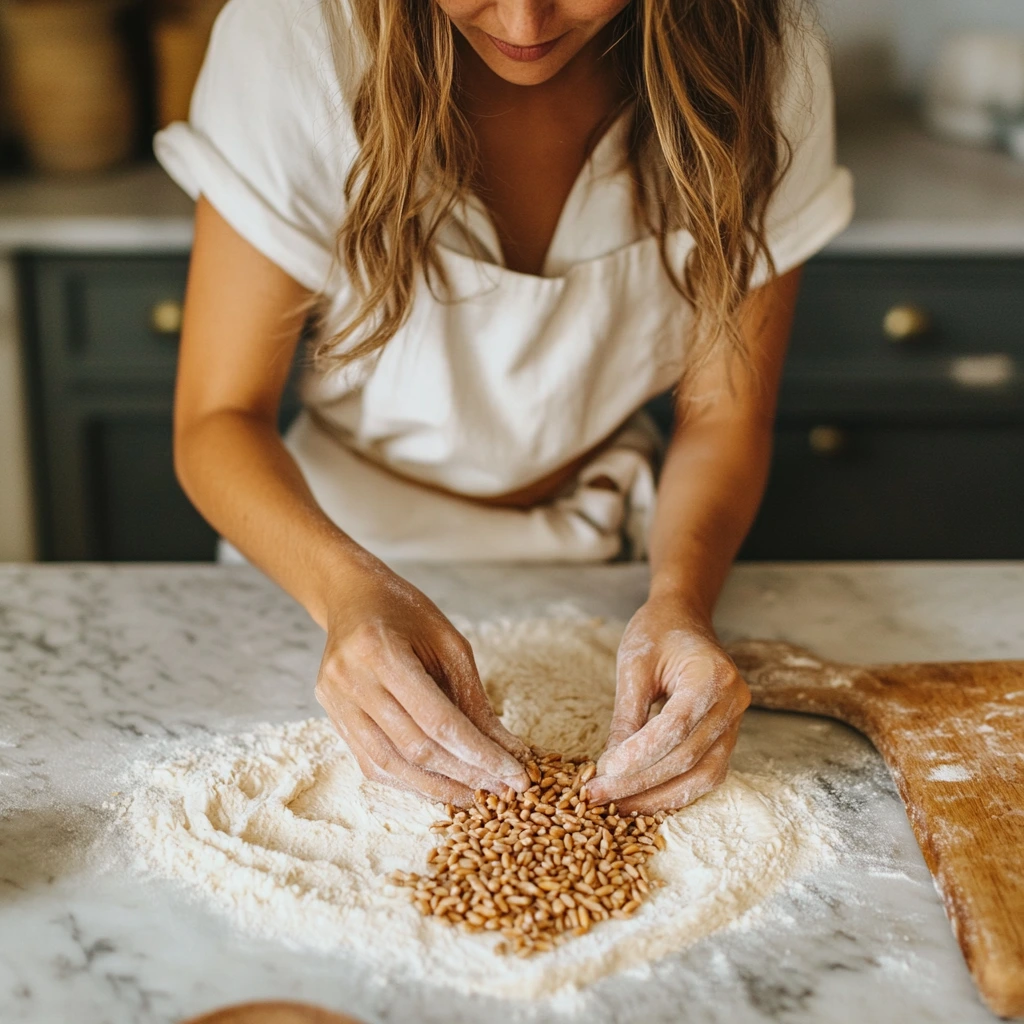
(525, 372)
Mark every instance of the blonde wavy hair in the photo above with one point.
(704, 144)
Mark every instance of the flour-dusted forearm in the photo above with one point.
(397, 679)
(711, 484)
(716, 469)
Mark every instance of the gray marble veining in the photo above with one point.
(100, 666)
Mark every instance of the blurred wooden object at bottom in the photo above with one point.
(272, 1013)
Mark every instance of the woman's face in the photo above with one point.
(526, 42)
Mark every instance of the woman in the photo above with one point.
(515, 221)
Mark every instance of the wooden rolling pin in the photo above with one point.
(952, 734)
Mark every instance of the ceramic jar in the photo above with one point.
(70, 82)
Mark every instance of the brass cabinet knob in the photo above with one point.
(906, 323)
(166, 316)
(828, 441)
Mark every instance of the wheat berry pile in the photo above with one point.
(537, 867)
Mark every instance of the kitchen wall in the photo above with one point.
(887, 45)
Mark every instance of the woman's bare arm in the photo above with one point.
(711, 484)
(397, 679)
(717, 464)
(243, 318)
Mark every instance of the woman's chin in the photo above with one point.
(525, 76)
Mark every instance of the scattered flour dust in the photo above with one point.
(949, 773)
(279, 829)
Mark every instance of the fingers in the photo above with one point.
(468, 692)
(381, 762)
(676, 762)
(389, 687)
(704, 680)
(413, 744)
(634, 695)
(683, 790)
(444, 723)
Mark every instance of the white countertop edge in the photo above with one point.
(923, 238)
(174, 235)
(96, 234)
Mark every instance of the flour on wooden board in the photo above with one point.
(279, 829)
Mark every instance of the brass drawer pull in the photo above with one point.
(906, 323)
(166, 316)
(828, 441)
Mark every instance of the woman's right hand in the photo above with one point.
(400, 684)
(397, 679)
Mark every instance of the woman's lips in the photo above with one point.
(523, 53)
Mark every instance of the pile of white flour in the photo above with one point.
(279, 829)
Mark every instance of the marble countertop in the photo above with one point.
(914, 195)
(100, 666)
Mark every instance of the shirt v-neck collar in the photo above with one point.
(602, 177)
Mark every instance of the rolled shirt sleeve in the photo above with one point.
(268, 138)
(814, 201)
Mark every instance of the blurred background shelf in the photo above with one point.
(918, 194)
(84, 83)
(915, 195)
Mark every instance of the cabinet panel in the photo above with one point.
(109, 319)
(879, 491)
(102, 384)
(140, 512)
(928, 467)
(969, 306)
(920, 337)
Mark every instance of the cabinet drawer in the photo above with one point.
(111, 318)
(924, 337)
(869, 491)
(898, 309)
(101, 383)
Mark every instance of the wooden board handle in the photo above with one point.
(952, 734)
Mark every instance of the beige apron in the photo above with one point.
(400, 520)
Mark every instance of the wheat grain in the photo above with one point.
(540, 867)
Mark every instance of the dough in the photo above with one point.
(278, 829)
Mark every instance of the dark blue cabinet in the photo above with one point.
(101, 338)
(900, 429)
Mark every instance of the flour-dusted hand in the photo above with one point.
(683, 751)
(400, 685)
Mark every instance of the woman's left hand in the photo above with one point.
(683, 751)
